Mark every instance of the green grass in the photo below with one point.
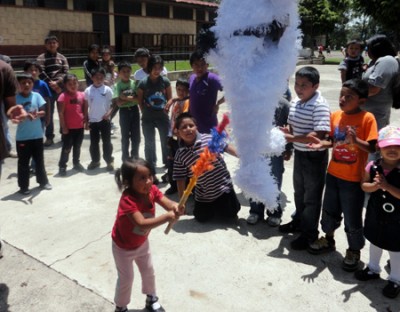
(171, 66)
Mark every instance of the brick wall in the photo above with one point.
(161, 25)
(33, 25)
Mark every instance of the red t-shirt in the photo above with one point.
(73, 109)
(126, 234)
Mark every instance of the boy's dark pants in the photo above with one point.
(227, 206)
(72, 140)
(103, 129)
(277, 170)
(172, 149)
(309, 172)
(129, 121)
(50, 128)
(26, 150)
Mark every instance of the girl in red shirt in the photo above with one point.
(135, 218)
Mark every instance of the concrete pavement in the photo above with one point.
(58, 250)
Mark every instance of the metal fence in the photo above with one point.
(76, 60)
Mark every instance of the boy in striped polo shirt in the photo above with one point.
(214, 193)
(309, 117)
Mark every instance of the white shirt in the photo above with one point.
(99, 101)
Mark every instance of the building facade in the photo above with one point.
(160, 25)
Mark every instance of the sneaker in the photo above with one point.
(46, 186)
(171, 190)
(48, 142)
(153, 305)
(291, 227)
(321, 245)
(351, 261)
(366, 274)
(62, 172)
(274, 221)
(253, 218)
(391, 290)
(300, 243)
(93, 165)
(119, 309)
(24, 191)
(110, 166)
(79, 167)
(1, 248)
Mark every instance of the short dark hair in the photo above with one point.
(29, 63)
(50, 38)
(380, 45)
(96, 70)
(93, 47)
(355, 41)
(68, 77)
(181, 117)
(182, 82)
(124, 175)
(309, 72)
(153, 60)
(357, 85)
(197, 55)
(123, 64)
(23, 76)
(142, 52)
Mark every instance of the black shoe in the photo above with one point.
(300, 243)
(79, 167)
(93, 165)
(110, 166)
(171, 190)
(62, 172)
(153, 305)
(366, 274)
(351, 261)
(391, 290)
(24, 191)
(291, 227)
(48, 142)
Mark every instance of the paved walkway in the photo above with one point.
(58, 251)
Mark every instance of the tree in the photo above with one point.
(318, 17)
(384, 13)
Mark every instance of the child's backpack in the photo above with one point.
(396, 88)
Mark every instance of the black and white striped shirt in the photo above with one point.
(306, 117)
(211, 184)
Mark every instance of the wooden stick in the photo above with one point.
(183, 200)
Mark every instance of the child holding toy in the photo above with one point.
(135, 218)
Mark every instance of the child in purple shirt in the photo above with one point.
(204, 87)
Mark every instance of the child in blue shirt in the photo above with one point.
(29, 135)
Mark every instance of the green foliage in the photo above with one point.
(319, 17)
(384, 13)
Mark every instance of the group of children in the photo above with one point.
(350, 132)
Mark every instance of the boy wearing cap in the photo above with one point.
(353, 135)
(381, 228)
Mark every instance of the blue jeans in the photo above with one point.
(347, 198)
(129, 121)
(150, 122)
(309, 172)
(277, 170)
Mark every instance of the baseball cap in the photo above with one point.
(389, 135)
